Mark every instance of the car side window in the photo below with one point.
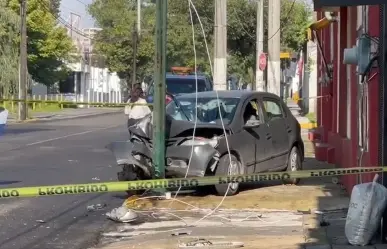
(251, 111)
(273, 109)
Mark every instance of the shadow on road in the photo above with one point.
(22, 130)
(8, 182)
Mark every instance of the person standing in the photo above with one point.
(134, 111)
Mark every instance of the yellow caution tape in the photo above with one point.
(177, 182)
(102, 104)
(297, 98)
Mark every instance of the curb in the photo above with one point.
(308, 125)
(44, 120)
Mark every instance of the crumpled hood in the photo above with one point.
(173, 128)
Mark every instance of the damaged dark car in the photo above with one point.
(262, 136)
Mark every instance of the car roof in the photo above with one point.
(241, 94)
(188, 76)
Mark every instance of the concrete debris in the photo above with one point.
(95, 207)
(122, 214)
(40, 221)
(95, 179)
(203, 243)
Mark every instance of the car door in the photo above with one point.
(275, 120)
(254, 142)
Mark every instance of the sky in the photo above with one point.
(78, 7)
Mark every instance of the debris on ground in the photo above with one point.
(95, 179)
(40, 221)
(95, 207)
(203, 243)
(122, 214)
(141, 202)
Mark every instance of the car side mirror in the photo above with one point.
(250, 124)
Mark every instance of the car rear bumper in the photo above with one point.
(177, 158)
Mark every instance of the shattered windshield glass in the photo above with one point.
(207, 109)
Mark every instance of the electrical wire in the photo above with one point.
(62, 21)
(287, 17)
(171, 212)
(220, 113)
(196, 100)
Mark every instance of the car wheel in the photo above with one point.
(294, 164)
(129, 174)
(226, 168)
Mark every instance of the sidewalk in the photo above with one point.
(67, 113)
(262, 216)
(296, 110)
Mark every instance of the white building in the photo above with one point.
(88, 82)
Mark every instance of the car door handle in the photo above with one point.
(268, 136)
(288, 129)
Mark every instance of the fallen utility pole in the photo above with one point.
(274, 47)
(220, 61)
(159, 93)
(134, 45)
(22, 112)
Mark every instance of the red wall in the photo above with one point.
(332, 144)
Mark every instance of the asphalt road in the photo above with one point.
(50, 153)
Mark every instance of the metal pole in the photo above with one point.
(159, 95)
(134, 69)
(259, 84)
(274, 47)
(220, 62)
(383, 105)
(23, 62)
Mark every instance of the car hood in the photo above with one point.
(173, 128)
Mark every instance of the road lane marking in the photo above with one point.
(71, 135)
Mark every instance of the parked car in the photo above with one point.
(263, 136)
(180, 84)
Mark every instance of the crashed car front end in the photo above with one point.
(185, 156)
(195, 155)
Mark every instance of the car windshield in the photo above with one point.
(207, 109)
(182, 85)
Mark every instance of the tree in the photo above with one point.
(48, 46)
(295, 16)
(9, 52)
(116, 18)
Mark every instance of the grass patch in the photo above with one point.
(312, 117)
(35, 108)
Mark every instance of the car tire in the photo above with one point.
(222, 170)
(128, 174)
(294, 164)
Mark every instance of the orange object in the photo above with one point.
(182, 70)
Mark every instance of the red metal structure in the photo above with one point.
(337, 136)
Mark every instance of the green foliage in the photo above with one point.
(48, 46)
(294, 21)
(117, 18)
(9, 53)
